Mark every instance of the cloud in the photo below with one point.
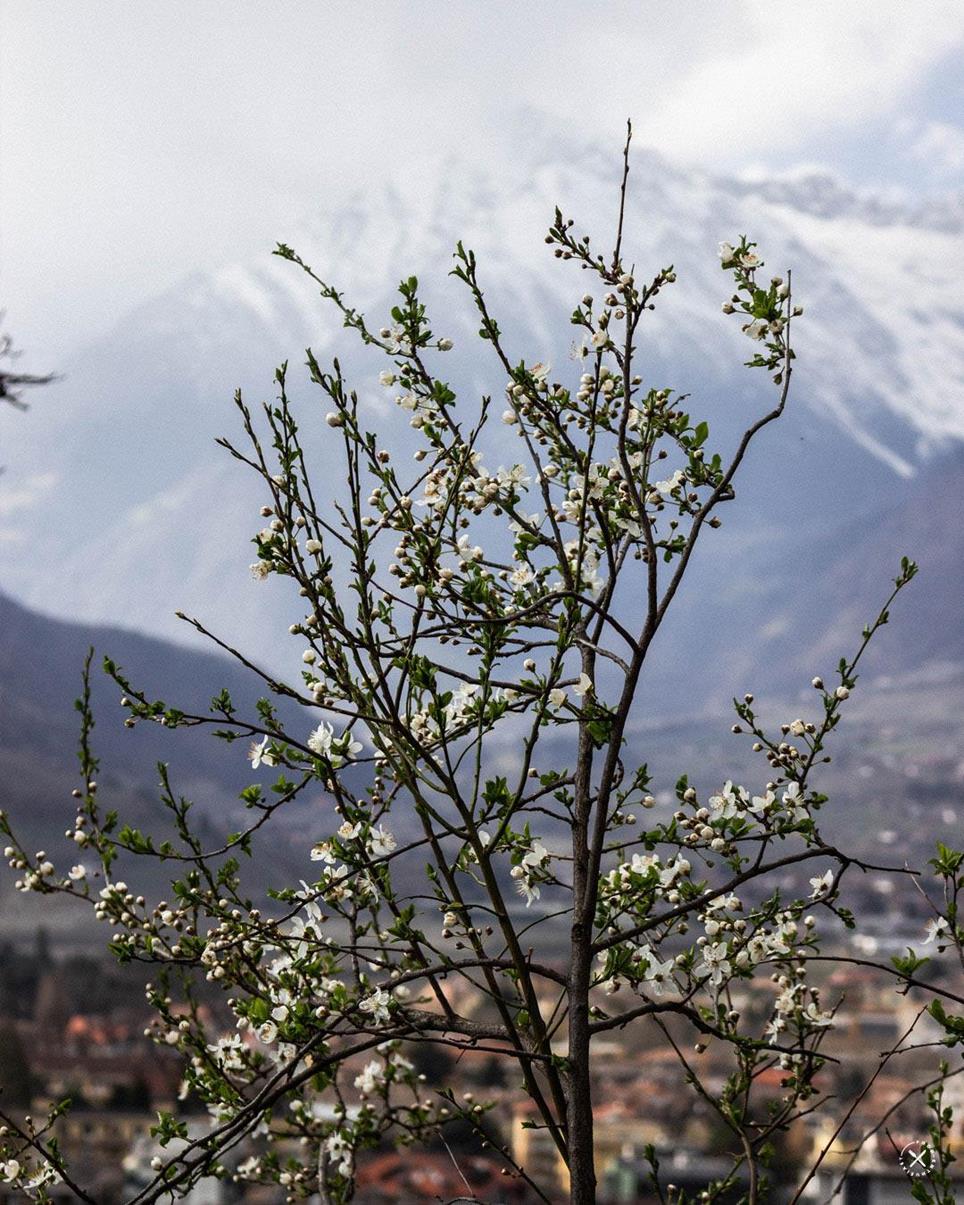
(779, 77)
(159, 139)
(30, 490)
(18, 497)
(939, 147)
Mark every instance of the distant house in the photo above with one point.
(138, 1172)
(628, 1180)
(408, 1176)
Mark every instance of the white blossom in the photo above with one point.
(727, 255)
(377, 1004)
(715, 966)
(351, 746)
(643, 863)
(727, 803)
(936, 930)
(260, 755)
(537, 855)
(671, 483)
(821, 884)
(526, 888)
(676, 868)
(381, 842)
(521, 576)
(339, 1151)
(460, 701)
(281, 1009)
(583, 686)
(320, 740)
(371, 1076)
(465, 553)
(248, 1168)
(795, 803)
(657, 974)
(815, 1018)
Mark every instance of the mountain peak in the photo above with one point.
(879, 384)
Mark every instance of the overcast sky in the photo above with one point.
(139, 142)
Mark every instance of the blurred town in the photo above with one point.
(73, 1025)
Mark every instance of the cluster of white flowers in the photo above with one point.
(518, 392)
(480, 489)
(745, 258)
(645, 870)
(731, 944)
(796, 1005)
(460, 702)
(274, 545)
(765, 308)
(340, 1152)
(580, 688)
(375, 1074)
(38, 874)
(118, 905)
(530, 870)
(229, 1052)
(467, 552)
(378, 842)
(336, 750)
(28, 1179)
(435, 494)
(734, 806)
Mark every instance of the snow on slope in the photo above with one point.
(142, 514)
(881, 280)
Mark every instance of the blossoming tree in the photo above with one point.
(486, 608)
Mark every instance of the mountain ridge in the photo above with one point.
(143, 516)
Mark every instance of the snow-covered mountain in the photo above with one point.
(117, 506)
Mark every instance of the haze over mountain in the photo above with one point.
(119, 508)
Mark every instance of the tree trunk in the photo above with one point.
(582, 1172)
